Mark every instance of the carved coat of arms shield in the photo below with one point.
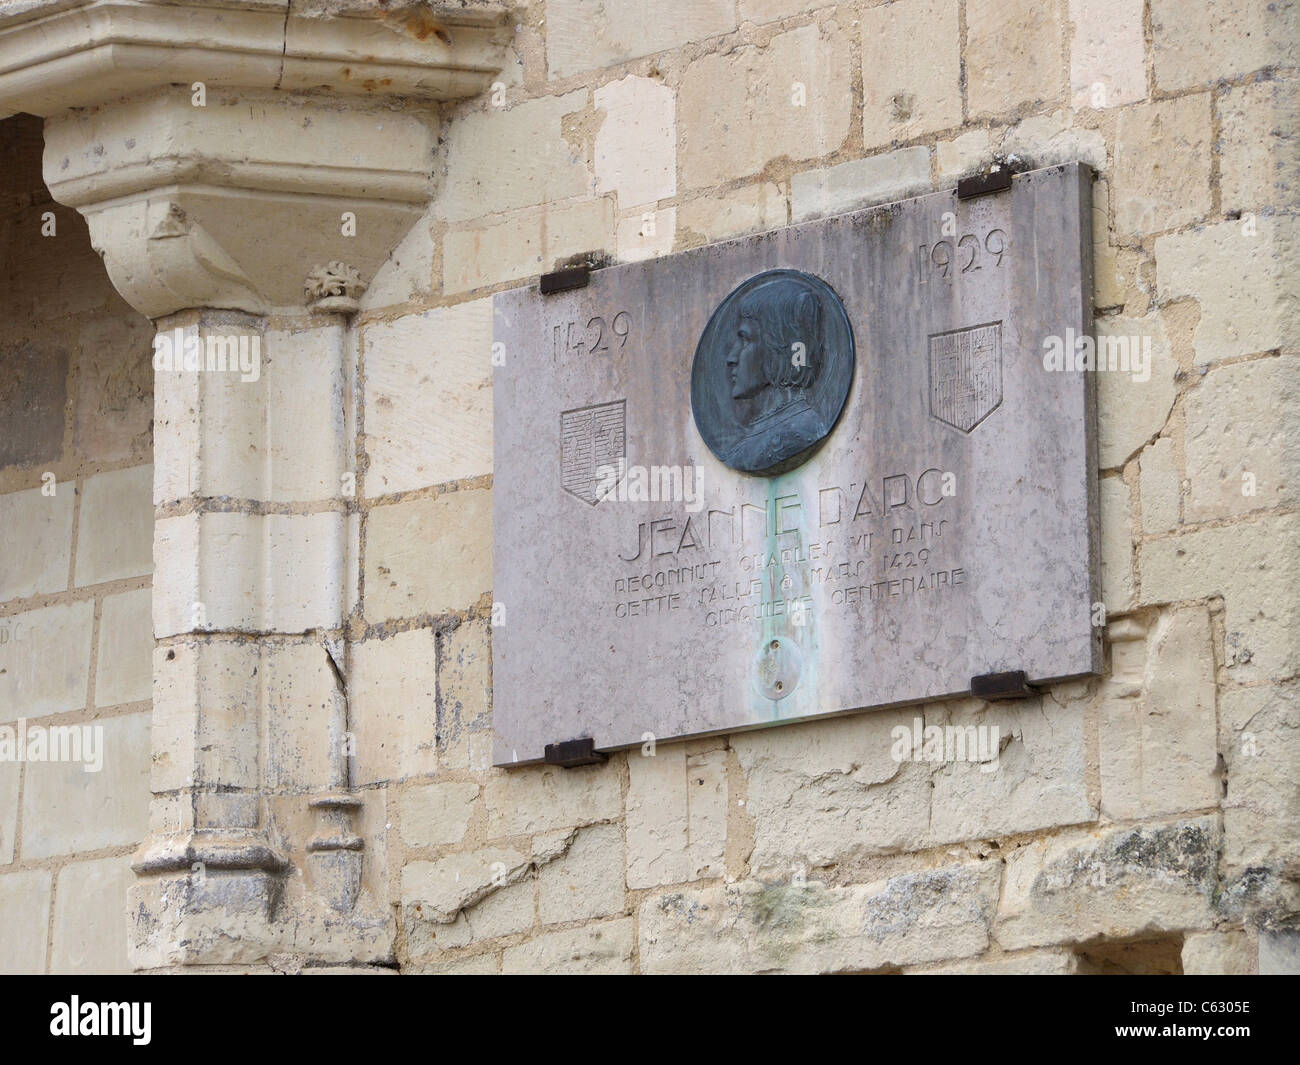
(966, 375)
(593, 442)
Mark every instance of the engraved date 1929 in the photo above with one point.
(571, 338)
(948, 258)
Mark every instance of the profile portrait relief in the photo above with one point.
(772, 371)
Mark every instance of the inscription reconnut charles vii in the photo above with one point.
(772, 371)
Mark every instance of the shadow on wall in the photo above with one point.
(76, 381)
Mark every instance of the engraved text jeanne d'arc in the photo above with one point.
(876, 542)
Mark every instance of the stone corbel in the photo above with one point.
(220, 150)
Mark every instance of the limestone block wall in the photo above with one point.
(1148, 820)
(76, 530)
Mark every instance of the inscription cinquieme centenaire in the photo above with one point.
(811, 471)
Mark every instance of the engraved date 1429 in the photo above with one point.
(571, 338)
(948, 258)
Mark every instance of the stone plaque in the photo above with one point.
(817, 470)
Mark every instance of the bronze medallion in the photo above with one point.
(772, 372)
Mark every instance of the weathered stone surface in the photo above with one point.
(115, 533)
(227, 921)
(429, 398)
(860, 183)
(45, 660)
(828, 791)
(438, 891)
(10, 771)
(1161, 179)
(911, 67)
(505, 912)
(305, 710)
(716, 217)
(767, 10)
(1036, 778)
(1107, 53)
(595, 949)
(433, 814)
(1116, 545)
(429, 556)
(1243, 439)
(66, 808)
(578, 39)
(1159, 750)
(646, 234)
(1117, 883)
(1279, 952)
(34, 386)
(124, 669)
(207, 703)
(210, 428)
(1013, 54)
(635, 152)
(1248, 564)
(738, 111)
(408, 273)
(1136, 392)
(1161, 487)
(1052, 139)
(249, 572)
(587, 881)
(754, 926)
(392, 701)
(1240, 35)
(1030, 963)
(306, 451)
(1240, 273)
(547, 846)
(38, 541)
(465, 697)
(582, 226)
(961, 156)
(501, 159)
(1259, 739)
(1115, 270)
(490, 254)
(1128, 657)
(25, 902)
(1259, 158)
(270, 427)
(90, 926)
(1218, 954)
(481, 965)
(541, 797)
(676, 816)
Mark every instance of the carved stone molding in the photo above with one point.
(230, 205)
(335, 850)
(220, 149)
(57, 54)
